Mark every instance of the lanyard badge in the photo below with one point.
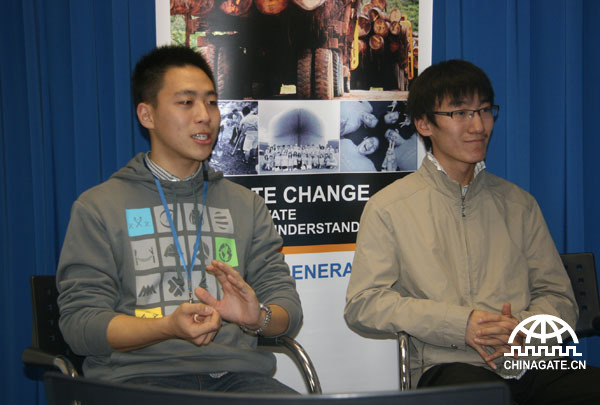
(189, 268)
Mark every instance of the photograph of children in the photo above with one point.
(376, 136)
(298, 137)
(236, 150)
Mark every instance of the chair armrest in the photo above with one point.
(40, 358)
(300, 357)
(404, 360)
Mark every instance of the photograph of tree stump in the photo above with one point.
(304, 49)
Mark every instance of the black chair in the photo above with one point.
(48, 348)
(582, 272)
(63, 390)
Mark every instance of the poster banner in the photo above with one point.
(312, 100)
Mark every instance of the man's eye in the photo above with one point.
(460, 113)
(185, 102)
(212, 102)
(486, 110)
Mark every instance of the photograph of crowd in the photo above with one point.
(298, 137)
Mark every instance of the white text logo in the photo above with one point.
(543, 328)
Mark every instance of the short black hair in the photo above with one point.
(149, 72)
(455, 79)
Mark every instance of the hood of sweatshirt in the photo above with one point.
(137, 171)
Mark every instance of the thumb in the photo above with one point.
(506, 309)
(205, 296)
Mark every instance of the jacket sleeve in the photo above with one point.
(86, 279)
(266, 270)
(549, 284)
(374, 302)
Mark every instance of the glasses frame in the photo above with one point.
(495, 110)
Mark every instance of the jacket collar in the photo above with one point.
(435, 175)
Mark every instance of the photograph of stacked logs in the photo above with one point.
(305, 49)
(386, 47)
(272, 48)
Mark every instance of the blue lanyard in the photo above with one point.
(174, 230)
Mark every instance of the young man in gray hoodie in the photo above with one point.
(168, 271)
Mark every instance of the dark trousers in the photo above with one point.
(535, 387)
(230, 382)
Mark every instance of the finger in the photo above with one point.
(233, 277)
(488, 317)
(207, 324)
(202, 314)
(494, 331)
(506, 309)
(202, 340)
(204, 296)
(210, 337)
(232, 274)
(484, 355)
(491, 341)
(217, 271)
(497, 354)
(225, 268)
(223, 277)
(505, 324)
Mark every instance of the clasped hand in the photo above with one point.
(200, 322)
(488, 330)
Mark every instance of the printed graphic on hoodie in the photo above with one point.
(161, 280)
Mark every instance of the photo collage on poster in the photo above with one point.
(307, 86)
(312, 136)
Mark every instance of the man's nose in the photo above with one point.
(476, 122)
(201, 113)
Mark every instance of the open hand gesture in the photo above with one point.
(239, 303)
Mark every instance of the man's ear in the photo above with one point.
(145, 114)
(423, 126)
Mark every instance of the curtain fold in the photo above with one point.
(66, 124)
(542, 58)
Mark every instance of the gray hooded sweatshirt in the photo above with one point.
(119, 257)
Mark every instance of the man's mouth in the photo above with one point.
(200, 137)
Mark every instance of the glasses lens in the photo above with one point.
(495, 110)
(461, 115)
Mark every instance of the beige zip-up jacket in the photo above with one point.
(426, 257)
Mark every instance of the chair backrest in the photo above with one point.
(61, 389)
(46, 334)
(582, 272)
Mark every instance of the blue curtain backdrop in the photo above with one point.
(542, 57)
(66, 123)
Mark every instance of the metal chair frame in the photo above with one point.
(49, 349)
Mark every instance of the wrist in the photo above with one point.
(264, 319)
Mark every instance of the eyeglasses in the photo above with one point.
(490, 112)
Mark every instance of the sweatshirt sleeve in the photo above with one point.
(87, 283)
(374, 302)
(267, 272)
